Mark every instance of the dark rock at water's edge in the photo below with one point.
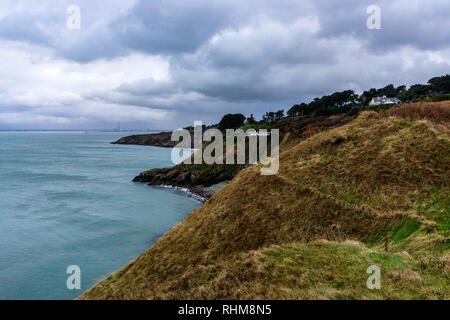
(203, 180)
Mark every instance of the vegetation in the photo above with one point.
(232, 121)
(338, 102)
(271, 117)
(437, 89)
(372, 190)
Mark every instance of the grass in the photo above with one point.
(405, 229)
(437, 204)
(438, 112)
(311, 231)
(327, 270)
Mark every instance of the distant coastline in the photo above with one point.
(157, 139)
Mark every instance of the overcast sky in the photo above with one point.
(161, 64)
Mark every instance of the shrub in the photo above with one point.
(232, 121)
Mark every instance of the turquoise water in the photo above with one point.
(67, 199)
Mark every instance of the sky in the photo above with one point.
(163, 64)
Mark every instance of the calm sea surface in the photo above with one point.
(67, 199)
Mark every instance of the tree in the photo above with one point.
(294, 111)
(417, 91)
(388, 91)
(340, 99)
(269, 117)
(339, 102)
(367, 96)
(298, 110)
(251, 119)
(232, 121)
(304, 109)
(400, 90)
(440, 84)
(279, 115)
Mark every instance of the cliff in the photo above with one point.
(205, 180)
(374, 191)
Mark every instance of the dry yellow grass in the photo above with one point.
(378, 177)
(437, 112)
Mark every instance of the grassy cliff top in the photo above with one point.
(374, 191)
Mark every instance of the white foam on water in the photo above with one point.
(184, 190)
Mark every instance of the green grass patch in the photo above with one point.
(441, 248)
(391, 261)
(342, 267)
(445, 224)
(437, 205)
(405, 229)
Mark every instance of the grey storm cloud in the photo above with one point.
(165, 62)
(171, 27)
(178, 27)
(420, 24)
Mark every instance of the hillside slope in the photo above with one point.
(374, 191)
(199, 178)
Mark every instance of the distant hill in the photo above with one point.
(162, 140)
(371, 191)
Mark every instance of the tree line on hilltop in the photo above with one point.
(436, 89)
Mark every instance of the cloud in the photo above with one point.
(164, 64)
(419, 24)
(55, 91)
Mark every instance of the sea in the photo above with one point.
(70, 214)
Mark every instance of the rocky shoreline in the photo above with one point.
(201, 180)
(199, 193)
